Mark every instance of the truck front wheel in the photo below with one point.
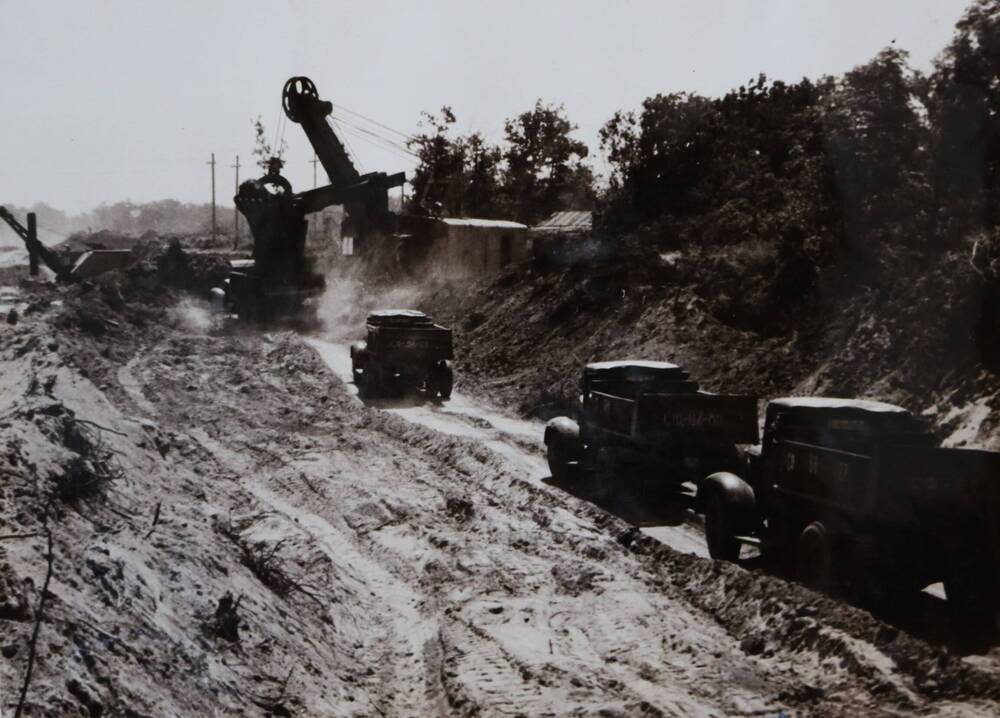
(814, 558)
(719, 530)
(372, 382)
(559, 457)
(440, 380)
(973, 597)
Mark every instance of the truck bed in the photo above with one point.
(926, 488)
(432, 343)
(724, 418)
(940, 488)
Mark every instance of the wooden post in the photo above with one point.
(214, 232)
(32, 239)
(236, 211)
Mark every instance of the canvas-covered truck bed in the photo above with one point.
(649, 420)
(407, 335)
(404, 350)
(652, 418)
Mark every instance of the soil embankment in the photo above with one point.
(233, 531)
(524, 337)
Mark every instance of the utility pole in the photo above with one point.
(213, 197)
(236, 212)
(314, 161)
(32, 244)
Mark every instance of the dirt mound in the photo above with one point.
(524, 337)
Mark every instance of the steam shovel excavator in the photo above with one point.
(280, 280)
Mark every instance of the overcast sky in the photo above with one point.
(103, 101)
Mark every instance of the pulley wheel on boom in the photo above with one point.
(295, 89)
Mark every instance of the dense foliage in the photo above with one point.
(537, 169)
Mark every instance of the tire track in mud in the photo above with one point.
(405, 653)
(469, 586)
(517, 441)
(844, 656)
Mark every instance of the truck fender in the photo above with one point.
(563, 427)
(358, 349)
(217, 300)
(737, 493)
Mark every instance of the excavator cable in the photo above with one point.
(345, 129)
(374, 122)
(350, 149)
(374, 143)
(341, 122)
(375, 138)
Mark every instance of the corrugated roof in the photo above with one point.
(472, 222)
(565, 223)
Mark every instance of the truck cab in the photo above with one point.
(403, 350)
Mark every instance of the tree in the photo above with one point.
(482, 177)
(438, 180)
(264, 150)
(877, 141)
(964, 104)
(544, 169)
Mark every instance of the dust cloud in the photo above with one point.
(350, 297)
(192, 315)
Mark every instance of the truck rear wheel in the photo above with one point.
(814, 558)
(558, 456)
(719, 530)
(973, 597)
(605, 475)
(439, 381)
(371, 385)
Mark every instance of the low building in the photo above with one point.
(444, 247)
(565, 238)
(464, 247)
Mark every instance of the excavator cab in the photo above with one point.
(281, 280)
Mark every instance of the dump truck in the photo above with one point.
(404, 351)
(648, 420)
(856, 495)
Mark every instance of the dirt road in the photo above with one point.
(393, 560)
(517, 441)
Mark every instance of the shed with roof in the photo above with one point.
(465, 247)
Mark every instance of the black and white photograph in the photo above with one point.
(546, 358)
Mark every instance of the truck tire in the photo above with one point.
(605, 475)
(814, 558)
(720, 529)
(973, 597)
(372, 385)
(730, 507)
(440, 380)
(558, 455)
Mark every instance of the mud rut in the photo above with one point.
(463, 584)
(518, 442)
